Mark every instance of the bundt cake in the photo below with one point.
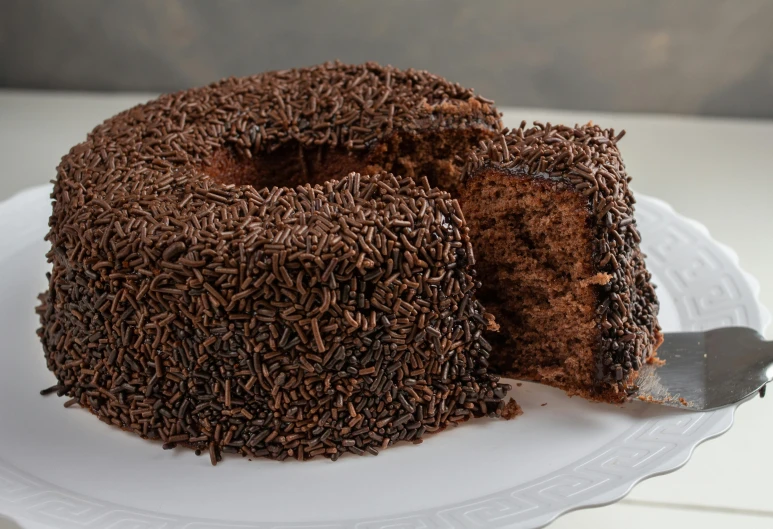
(284, 265)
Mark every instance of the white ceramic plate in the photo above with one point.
(62, 468)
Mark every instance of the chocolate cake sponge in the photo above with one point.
(552, 222)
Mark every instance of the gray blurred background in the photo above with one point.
(711, 57)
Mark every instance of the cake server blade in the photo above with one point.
(707, 370)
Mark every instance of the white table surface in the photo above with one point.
(719, 172)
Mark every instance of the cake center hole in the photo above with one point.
(438, 155)
(291, 165)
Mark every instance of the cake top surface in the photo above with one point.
(332, 104)
(556, 151)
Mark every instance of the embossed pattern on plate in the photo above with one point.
(701, 286)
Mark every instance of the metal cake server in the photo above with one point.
(707, 370)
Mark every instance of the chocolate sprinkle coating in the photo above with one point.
(278, 322)
(587, 160)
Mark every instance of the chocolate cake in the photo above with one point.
(221, 281)
(277, 266)
(551, 218)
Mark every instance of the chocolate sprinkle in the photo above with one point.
(586, 159)
(279, 322)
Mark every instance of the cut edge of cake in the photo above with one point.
(551, 217)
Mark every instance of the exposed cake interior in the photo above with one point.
(435, 154)
(532, 242)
